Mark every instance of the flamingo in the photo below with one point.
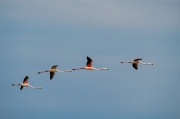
(135, 63)
(25, 84)
(89, 66)
(53, 70)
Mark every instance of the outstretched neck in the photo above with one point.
(44, 71)
(16, 84)
(125, 62)
(104, 69)
(78, 68)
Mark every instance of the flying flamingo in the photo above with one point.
(53, 70)
(89, 66)
(25, 84)
(135, 63)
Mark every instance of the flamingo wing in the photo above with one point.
(89, 62)
(52, 75)
(21, 87)
(54, 67)
(26, 80)
(135, 65)
(137, 59)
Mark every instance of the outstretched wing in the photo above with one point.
(89, 62)
(54, 67)
(21, 87)
(135, 65)
(52, 75)
(137, 59)
(26, 80)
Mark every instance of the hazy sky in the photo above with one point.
(35, 35)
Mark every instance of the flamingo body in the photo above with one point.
(53, 70)
(25, 84)
(89, 66)
(135, 63)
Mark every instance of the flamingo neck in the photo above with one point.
(78, 68)
(126, 62)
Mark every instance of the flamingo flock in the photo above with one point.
(88, 66)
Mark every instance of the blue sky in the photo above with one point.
(35, 35)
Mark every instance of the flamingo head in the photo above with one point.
(104, 69)
(68, 71)
(39, 87)
(150, 63)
